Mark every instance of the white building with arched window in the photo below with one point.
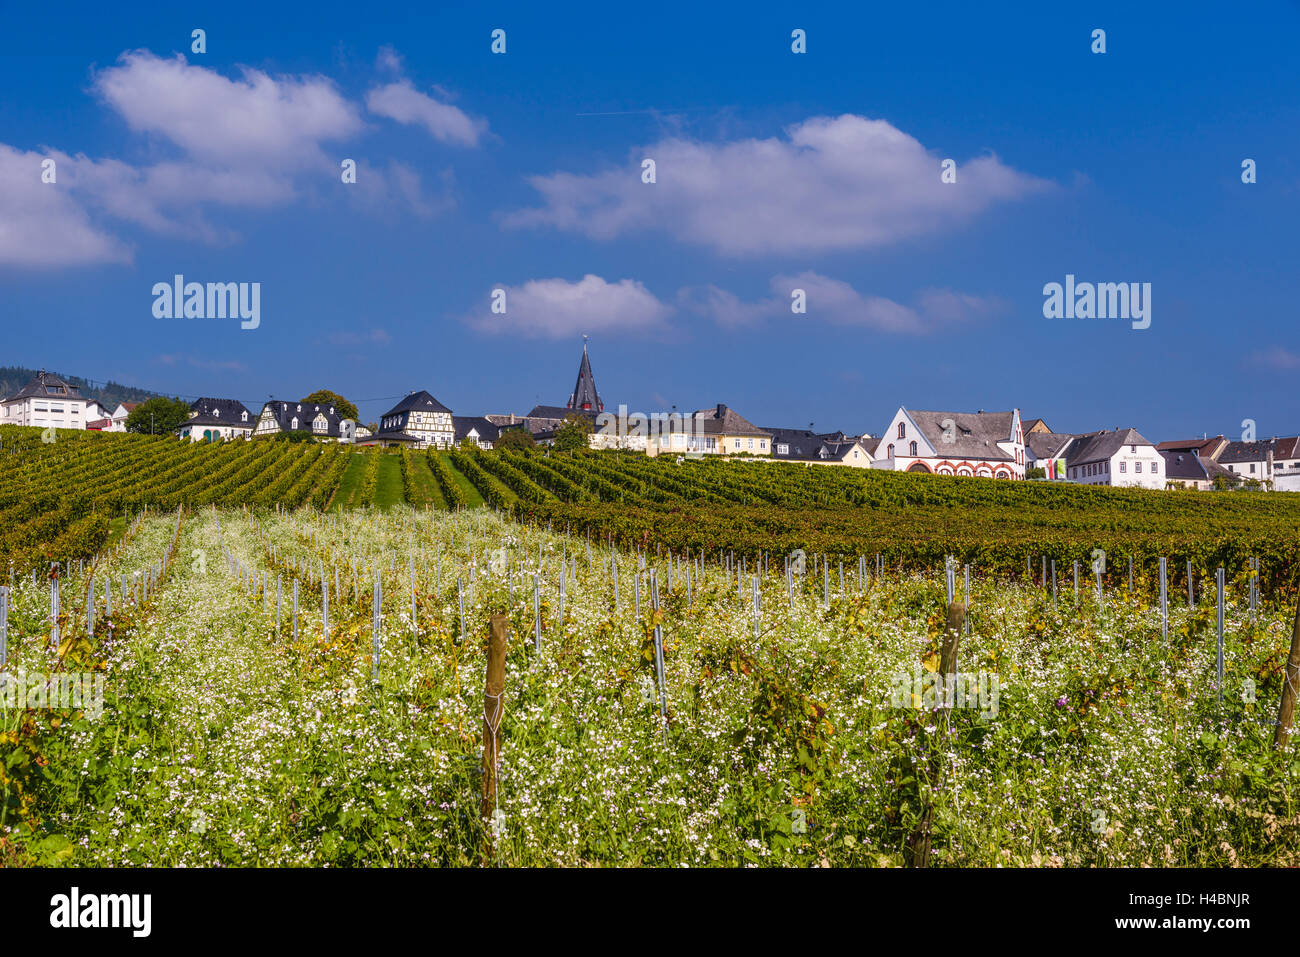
(976, 444)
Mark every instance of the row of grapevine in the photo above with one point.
(494, 492)
(451, 492)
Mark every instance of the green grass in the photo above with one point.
(472, 497)
(427, 483)
(388, 491)
(116, 529)
(424, 486)
(350, 485)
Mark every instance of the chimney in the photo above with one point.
(722, 410)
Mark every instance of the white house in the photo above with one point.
(1046, 451)
(323, 421)
(477, 429)
(987, 444)
(828, 448)
(1118, 458)
(213, 419)
(119, 415)
(418, 421)
(45, 401)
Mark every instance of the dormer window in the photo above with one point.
(243, 416)
(216, 413)
(293, 423)
(299, 406)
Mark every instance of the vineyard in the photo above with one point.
(302, 687)
(62, 498)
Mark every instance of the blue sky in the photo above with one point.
(774, 171)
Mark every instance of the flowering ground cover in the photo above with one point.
(806, 735)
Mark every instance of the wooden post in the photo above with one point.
(493, 708)
(917, 852)
(951, 637)
(1290, 685)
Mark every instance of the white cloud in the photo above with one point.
(558, 309)
(376, 336)
(831, 183)
(231, 122)
(41, 224)
(248, 143)
(389, 60)
(836, 302)
(402, 102)
(1276, 357)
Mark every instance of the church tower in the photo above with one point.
(585, 397)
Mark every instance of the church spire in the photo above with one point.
(585, 396)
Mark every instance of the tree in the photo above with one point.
(516, 440)
(1035, 473)
(572, 435)
(158, 415)
(341, 405)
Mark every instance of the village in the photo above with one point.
(981, 444)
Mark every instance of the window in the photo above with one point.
(737, 443)
(762, 443)
(751, 443)
(1154, 467)
(855, 453)
(1137, 466)
(891, 450)
(1123, 466)
(902, 431)
(783, 449)
(912, 449)
(1252, 466)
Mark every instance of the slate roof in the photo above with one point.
(585, 395)
(976, 434)
(419, 401)
(722, 420)
(1047, 445)
(220, 412)
(284, 412)
(545, 419)
(1237, 452)
(1100, 446)
(806, 445)
(46, 385)
(487, 432)
(1188, 466)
